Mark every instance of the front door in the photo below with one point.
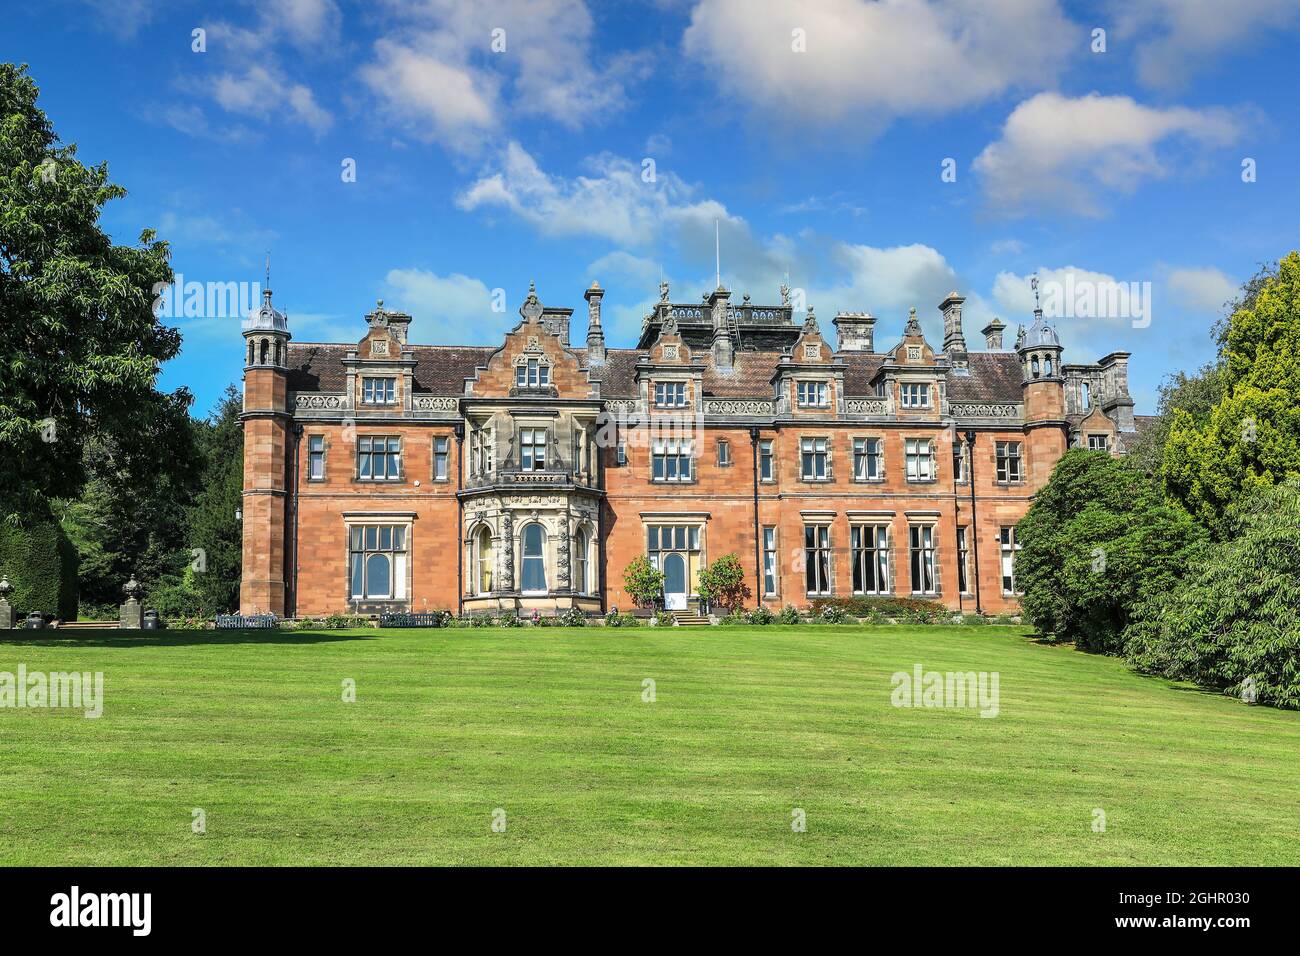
(674, 583)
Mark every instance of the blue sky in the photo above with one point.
(815, 133)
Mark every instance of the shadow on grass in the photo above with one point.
(52, 638)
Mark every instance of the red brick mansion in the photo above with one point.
(386, 475)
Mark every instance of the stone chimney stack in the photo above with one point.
(954, 342)
(856, 331)
(1115, 399)
(595, 333)
(724, 349)
(993, 334)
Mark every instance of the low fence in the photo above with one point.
(246, 622)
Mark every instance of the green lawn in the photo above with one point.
(549, 725)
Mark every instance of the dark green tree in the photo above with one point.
(80, 345)
(213, 527)
(1251, 437)
(1097, 538)
(1231, 622)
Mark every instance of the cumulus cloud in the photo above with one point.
(873, 61)
(1205, 289)
(453, 309)
(1073, 152)
(452, 71)
(262, 92)
(1177, 38)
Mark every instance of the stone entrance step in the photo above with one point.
(88, 626)
(687, 619)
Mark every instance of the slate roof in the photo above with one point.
(442, 370)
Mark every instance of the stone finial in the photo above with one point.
(913, 327)
(132, 589)
(810, 322)
(663, 290)
(785, 294)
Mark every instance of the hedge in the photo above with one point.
(41, 563)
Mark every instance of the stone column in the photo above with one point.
(6, 611)
(131, 614)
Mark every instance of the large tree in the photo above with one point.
(1251, 437)
(80, 345)
(1097, 538)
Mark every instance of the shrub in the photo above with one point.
(789, 615)
(761, 615)
(863, 606)
(831, 614)
(643, 581)
(573, 617)
(482, 620)
(1096, 539)
(1231, 622)
(664, 619)
(722, 582)
(510, 620)
(614, 619)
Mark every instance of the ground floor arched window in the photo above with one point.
(534, 558)
(483, 555)
(581, 582)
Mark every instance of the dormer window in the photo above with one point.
(670, 394)
(532, 374)
(813, 394)
(379, 391)
(915, 394)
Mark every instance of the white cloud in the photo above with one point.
(873, 61)
(1177, 38)
(262, 92)
(441, 78)
(453, 309)
(1060, 151)
(1206, 289)
(613, 202)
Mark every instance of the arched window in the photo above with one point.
(534, 563)
(1034, 366)
(279, 353)
(250, 351)
(265, 345)
(580, 562)
(483, 547)
(1047, 365)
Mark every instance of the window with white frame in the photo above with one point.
(919, 455)
(377, 562)
(868, 459)
(915, 394)
(958, 462)
(769, 560)
(1008, 461)
(963, 578)
(532, 373)
(766, 461)
(815, 459)
(671, 460)
(316, 457)
(817, 558)
(670, 394)
(870, 547)
(441, 458)
(813, 394)
(484, 561)
(532, 449)
(921, 539)
(1008, 546)
(724, 452)
(533, 577)
(581, 543)
(379, 458)
(378, 391)
(1099, 443)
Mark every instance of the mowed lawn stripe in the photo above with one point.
(748, 725)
